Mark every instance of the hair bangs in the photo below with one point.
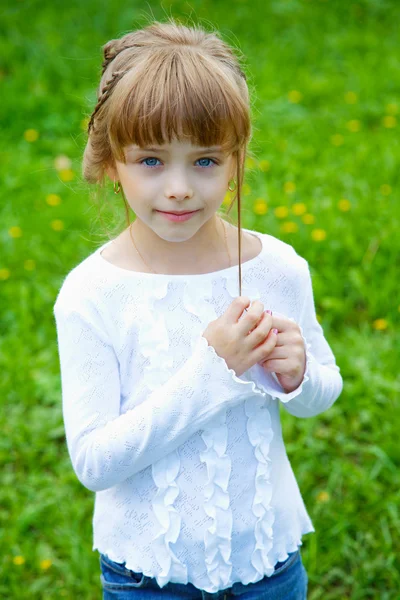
(179, 95)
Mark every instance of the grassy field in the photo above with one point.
(325, 78)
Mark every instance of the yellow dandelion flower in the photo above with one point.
(264, 165)
(350, 97)
(281, 212)
(15, 231)
(318, 235)
(246, 189)
(4, 274)
(295, 96)
(31, 135)
(53, 199)
(380, 324)
(299, 208)
(18, 560)
(323, 497)
(30, 265)
(45, 564)
(289, 187)
(308, 219)
(57, 225)
(353, 125)
(250, 162)
(85, 123)
(392, 108)
(386, 189)
(389, 121)
(62, 162)
(344, 205)
(66, 174)
(289, 227)
(260, 206)
(337, 139)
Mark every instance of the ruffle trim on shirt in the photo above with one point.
(164, 473)
(286, 545)
(259, 430)
(283, 546)
(154, 344)
(153, 339)
(249, 386)
(217, 537)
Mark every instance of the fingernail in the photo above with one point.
(275, 331)
(269, 311)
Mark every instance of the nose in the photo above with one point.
(178, 187)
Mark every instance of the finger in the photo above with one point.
(285, 338)
(237, 308)
(282, 323)
(263, 350)
(278, 365)
(258, 334)
(277, 352)
(250, 318)
(260, 320)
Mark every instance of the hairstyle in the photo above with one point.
(169, 80)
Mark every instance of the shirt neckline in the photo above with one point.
(140, 274)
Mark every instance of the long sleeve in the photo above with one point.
(107, 447)
(322, 382)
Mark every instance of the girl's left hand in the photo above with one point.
(288, 359)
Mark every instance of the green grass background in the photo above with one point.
(326, 101)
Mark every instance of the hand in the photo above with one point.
(288, 359)
(243, 337)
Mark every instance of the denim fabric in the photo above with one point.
(289, 582)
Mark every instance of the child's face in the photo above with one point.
(175, 177)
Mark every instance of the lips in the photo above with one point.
(170, 212)
(178, 218)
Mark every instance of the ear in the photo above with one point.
(111, 172)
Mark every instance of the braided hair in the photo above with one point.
(110, 50)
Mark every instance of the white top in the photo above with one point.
(192, 480)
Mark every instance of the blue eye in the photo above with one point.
(149, 158)
(208, 159)
(143, 162)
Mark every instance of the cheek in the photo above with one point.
(214, 186)
(137, 184)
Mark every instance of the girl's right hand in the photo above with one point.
(245, 341)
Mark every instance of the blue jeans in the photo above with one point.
(288, 582)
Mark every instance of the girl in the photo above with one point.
(172, 372)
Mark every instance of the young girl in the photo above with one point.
(173, 369)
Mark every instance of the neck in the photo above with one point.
(203, 252)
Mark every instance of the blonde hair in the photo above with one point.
(163, 81)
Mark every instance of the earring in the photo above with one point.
(229, 187)
(118, 189)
